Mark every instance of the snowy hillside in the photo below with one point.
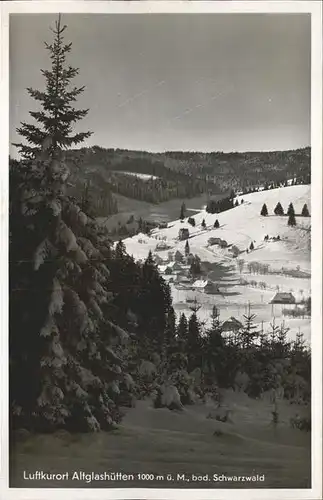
(239, 279)
(240, 226)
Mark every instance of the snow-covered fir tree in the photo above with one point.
(194, 343)
(65, 352)
(57, 116)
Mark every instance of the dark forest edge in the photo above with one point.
(101, 173)
(91, 330)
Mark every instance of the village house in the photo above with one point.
(283, 298)
(163, 268)
(183, 279)
(206, 286)
(199, 285)
(211, 288)
(231, 325)
(183, 233)
(214, 241)
(170, 268)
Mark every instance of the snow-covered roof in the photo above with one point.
(283, 298)
(163, 268)
(170, 265)
(231, 324)
(199, 283)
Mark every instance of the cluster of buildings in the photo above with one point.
(176, 269)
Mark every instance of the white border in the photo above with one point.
(134, 7)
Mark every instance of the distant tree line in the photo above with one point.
(218, 206)
(290, 212)
(184, 174)
(163, 184)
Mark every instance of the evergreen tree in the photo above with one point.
(183, 209)
(290, 210)
(191, 221)
(291, 220)
(249, 332)
(65, 363)
(56, 118)
(279, 209)
(194, 343)
(154, 303)
(187, 248)
(182, 329)
(140, 225)
(203, 224)
(86, 203)
(195, 268)
(236, 203)
(305, 211)
(214, 351)
(251, 247)
(264, 210)
(170, 331)
(216, 224)
(282, 346)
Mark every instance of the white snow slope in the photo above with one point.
(240, 226)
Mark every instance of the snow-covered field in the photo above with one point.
(164, 442)
(240, 226)
(144, 177)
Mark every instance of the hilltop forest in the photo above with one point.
(179, 175)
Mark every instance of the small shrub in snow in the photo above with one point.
(303, 424)
(168, 397)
